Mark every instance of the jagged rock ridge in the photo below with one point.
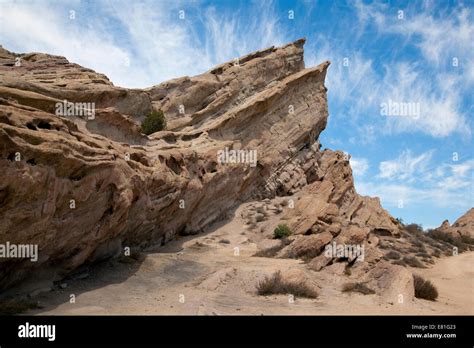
(131, 190)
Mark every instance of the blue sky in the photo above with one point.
(420, 164)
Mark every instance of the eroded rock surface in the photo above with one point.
(83, 189)
(462, 227)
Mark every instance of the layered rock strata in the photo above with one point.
(83, 188)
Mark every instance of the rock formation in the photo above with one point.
(84, 188)
(463, 227)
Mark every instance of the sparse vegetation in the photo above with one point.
(281, 231)
(463, 243)
(357, 287)
(424, 288)
(423, 255)
(277, 285)
(13, 306)
(271, 252)
(392, 255)
(155, 121)
(413, 262)
(414, 229)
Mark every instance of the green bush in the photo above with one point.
(153, 122)
(281, 231)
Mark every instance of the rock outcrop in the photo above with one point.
(84, 188)
(462, 228)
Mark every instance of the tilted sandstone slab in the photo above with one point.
(83, 189)
(77, 187)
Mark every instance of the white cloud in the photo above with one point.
(138, 44)
(405, 167)
(439, 39)
(414, 180)
(43, 27)
(437, 85)
(359, 166)
(392, 194)
(230, 35)
(439, 106)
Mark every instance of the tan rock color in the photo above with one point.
(83, 189)
(392, 282)
(308, 246)
(464, 226)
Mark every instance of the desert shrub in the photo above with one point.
(424, 288)
(277, 285)
(357, 287)
(462, 243)
(392, 255)
(399, 262)
(467, 239)
(155, 121)
(413, 262)
(399, 220)
(440, 235)
(13, 306)
(423, 255)
(414, 229)
(270, 252)
(281, 231)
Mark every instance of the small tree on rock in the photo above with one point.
(155, 121)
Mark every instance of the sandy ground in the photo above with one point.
(206, 275)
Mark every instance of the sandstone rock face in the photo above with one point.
(464, 226)
(55, 77)
(84, 188)
(395, 283)
(72, 185)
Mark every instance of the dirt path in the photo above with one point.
(216, 273)
(454, 279)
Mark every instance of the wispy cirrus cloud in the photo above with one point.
(438, 83)
(359, 166)
(418, 180)
(142, 43)
(406, 167)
